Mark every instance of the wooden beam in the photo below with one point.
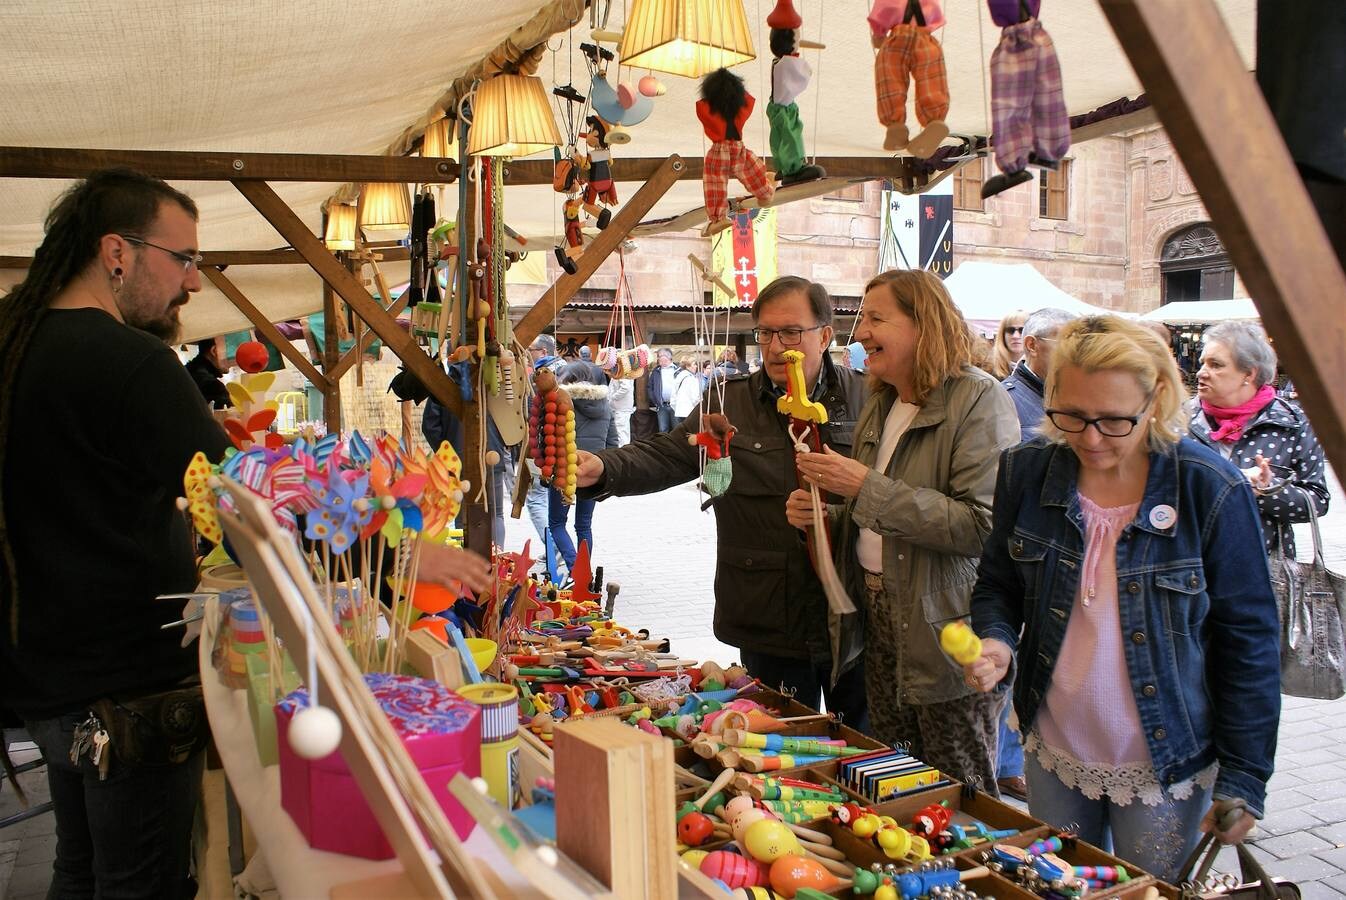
(331, 398)
(539, 171)
(172, 165)
(224, 258)
(262, 324)
(1214, 113)
(565, 288)
(283, 219)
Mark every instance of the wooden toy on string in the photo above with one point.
(551, 434)
(901, 31)
(715, 432)
(596, 162)
(623, 105)
(723, 109)
(790, 74)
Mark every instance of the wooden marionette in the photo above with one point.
(1029, 121)
(597, 165)
(714, 436)
(901, 30)
(568, 179)
(551, 434)
(723, 109)
(574, 234)
(790, 74)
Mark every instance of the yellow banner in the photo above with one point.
(745, 256)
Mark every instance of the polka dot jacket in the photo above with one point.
(1281, 433)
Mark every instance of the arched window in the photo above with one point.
(1195, 266)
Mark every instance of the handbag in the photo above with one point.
(1252, 883)
(1308, 601)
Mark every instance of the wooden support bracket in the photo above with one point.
(598, 250)
(283, 219)
(1210, 105)
(269, 331)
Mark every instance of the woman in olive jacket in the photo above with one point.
(918, 507)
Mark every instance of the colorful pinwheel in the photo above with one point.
(196, 482)
(338, 518)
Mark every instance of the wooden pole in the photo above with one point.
(331, 395)
(1210, 105)
(609, 239)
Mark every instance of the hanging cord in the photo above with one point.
(817, 87)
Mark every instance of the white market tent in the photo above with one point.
(1199, 312)
(986, 292)
(315, 76)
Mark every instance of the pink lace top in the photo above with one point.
(1087, 730)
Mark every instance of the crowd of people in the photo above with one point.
(1105, 534)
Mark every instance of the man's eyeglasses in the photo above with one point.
(187, 259)
(789, 337)
(1108, 426)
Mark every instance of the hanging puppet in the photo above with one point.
(901, 30)
(568, 179)
(723, 109)
(790, 74)
(714, 436)
(597, 166)
(1028, 108)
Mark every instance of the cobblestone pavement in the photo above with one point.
(661, 549)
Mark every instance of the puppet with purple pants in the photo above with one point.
(1028, 107)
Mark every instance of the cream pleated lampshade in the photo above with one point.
(340, 227)
(686, 37)
(384, 207)
(440, 139)
(511, 117)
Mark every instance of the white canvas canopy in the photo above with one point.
(318, 76)
(986, 292)
(1198, 312)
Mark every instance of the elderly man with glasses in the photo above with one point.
(768, 601)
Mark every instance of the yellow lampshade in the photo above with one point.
(511, 117)
(686, 37)
(384, 207)
(340, 227)
(441, 141)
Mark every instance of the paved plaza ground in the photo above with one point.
(661, 549)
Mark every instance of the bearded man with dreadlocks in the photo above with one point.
(98, 421)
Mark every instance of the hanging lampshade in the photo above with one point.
(384, 207)
(340, 227)
(686, 37)
(441, 139)
(512, 117)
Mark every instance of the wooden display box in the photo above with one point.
(1082, 853)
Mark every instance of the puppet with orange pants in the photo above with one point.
(901, 31)
(723, 109)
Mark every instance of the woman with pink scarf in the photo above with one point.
(1267, 437)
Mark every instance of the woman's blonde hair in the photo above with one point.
(1001, 361)
(1110, 343)
(943, 348)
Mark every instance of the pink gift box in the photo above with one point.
(442, 734)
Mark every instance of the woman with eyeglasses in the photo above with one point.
(1269, 438)
(917, 506)
(1009, 344)
(1124, 578)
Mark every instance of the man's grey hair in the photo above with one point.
(546, 343)
(1042, 322)
(1248, 344)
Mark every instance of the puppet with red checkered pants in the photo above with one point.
(723, 109)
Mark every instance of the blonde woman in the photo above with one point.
(1009, 344)
(1124, 574)
(916, 508)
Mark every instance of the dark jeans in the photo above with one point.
(666, 418)
(809, 682)
(1010, 759)
(128, 836)
(558, 512)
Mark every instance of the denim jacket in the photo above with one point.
(1197, 611)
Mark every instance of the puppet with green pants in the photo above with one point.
(790, 75)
